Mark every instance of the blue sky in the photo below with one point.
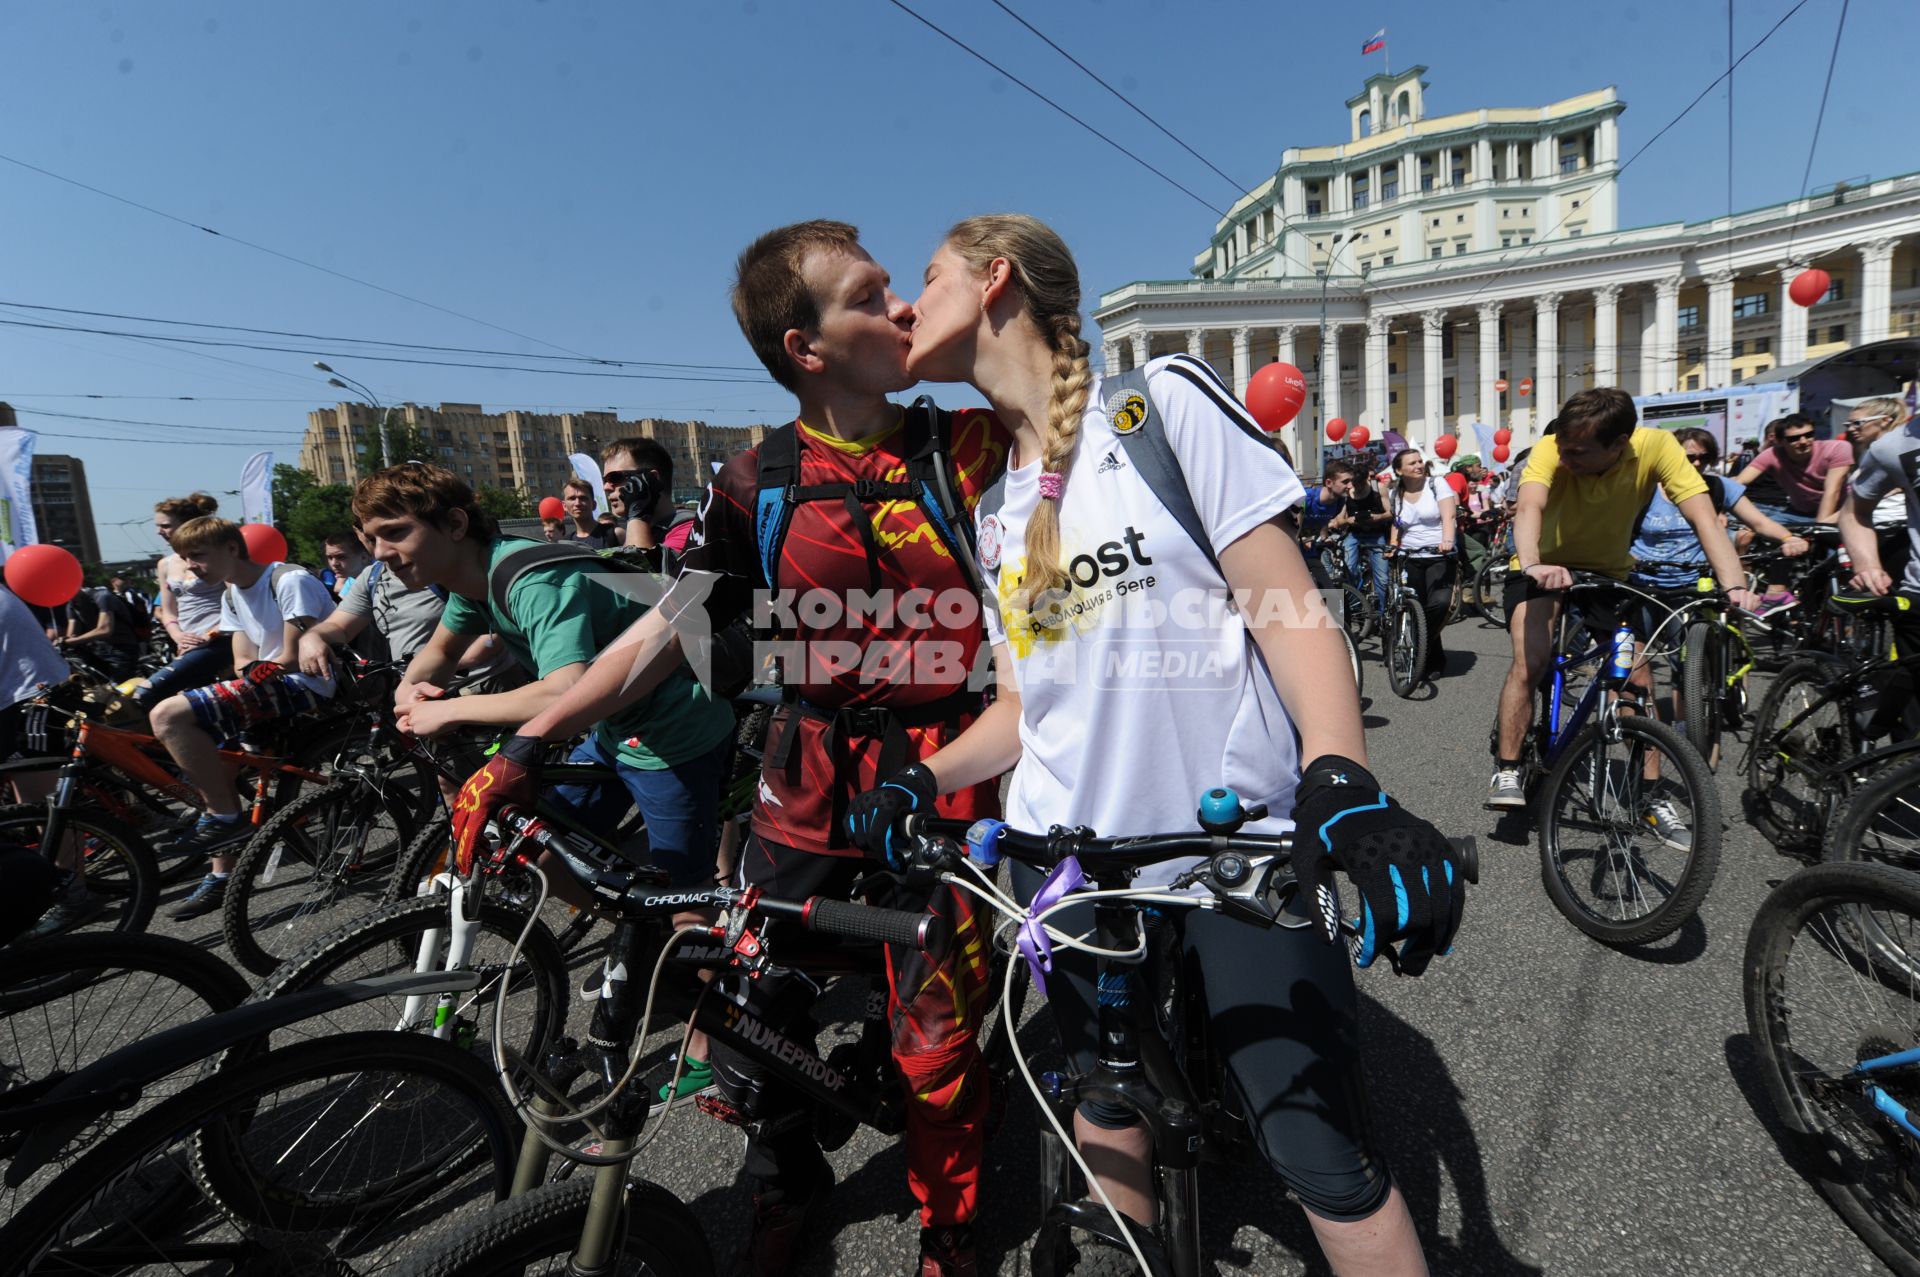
(584, 173)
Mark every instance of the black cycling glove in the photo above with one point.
(873, 816)
(1411, 884)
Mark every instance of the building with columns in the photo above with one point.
(1411, 269)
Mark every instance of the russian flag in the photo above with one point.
(1378, 40)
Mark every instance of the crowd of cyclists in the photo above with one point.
(949, 609)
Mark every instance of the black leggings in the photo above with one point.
(1432, 580)
(1285, 1020)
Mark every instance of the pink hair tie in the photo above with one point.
(1051, 485)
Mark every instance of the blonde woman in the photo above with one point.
(1090, 564)
(189, 610)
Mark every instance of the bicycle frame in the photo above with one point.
(1822, 776)
(1885, 1104)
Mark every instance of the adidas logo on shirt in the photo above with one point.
(1110, 462)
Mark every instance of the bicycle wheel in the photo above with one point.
(1881, 822)
(1353, 659)
(416, 935)
(1490, 590)
(1796, 737)
(318, 862)
(1818, 1008)
(1628, 859)
(74, 1000)
(1703, 687)
(120, 866)
(1354, 612)
(320, 1159)
(537, 1233)
(1405, 647)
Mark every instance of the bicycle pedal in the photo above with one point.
(720, 1110)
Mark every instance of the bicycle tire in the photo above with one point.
(430, 852)
(120, 866)
(1404, 647)
(659, 1233)
(388, 940)
(1851, 1169)
(1703, 687)
(1353, 612)
(1359, 670)
(1688, 885)
(284, 889)
(1788, 809)
(199, 1137)
(1880, 823)
(1490, 590)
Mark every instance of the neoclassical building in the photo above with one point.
(1410, 269)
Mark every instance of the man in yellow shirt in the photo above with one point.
(1583, 489)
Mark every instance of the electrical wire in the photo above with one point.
(1806, 174)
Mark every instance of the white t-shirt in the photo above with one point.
(1147, 695)
(1418, 516)
(27, 659)
(261, 612)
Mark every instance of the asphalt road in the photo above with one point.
(1548, 1105)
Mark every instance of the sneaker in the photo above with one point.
(204, 899)
(1665, 821)
(778, 1231)
(1773, 599)
(209, 832)
(1504, 791)
(696, 1079)
(78, 906)
(948, 1252)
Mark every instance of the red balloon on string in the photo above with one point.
(1500, 453)
(1445, 446)
(550, 508)
(1275, 394)
(45, 575)
(1503, 435)
(1458, 482)
(1358, 436)
(1337, 429)
(264, 542)
(1809, 286)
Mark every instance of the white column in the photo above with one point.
(1197, 342)
(1606, 335)
(1242, 358)
(1373, 377)
(1110, 356)
(1431, 324)
(1287, 356)
(1666, 336)
(1142, 344)
(1876, 289)
(1489, 363)
(1546, 346)
(1719, 329)
(1793, 318)
(1649, 344)
(1329, 372)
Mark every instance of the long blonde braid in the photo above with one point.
(1049, 285)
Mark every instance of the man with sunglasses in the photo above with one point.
(1800, 464)
(1890, 464)
(637, 476)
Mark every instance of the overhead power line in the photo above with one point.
(1806, 174)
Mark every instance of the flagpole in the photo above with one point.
(1386, 58)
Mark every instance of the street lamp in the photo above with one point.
(345, 382)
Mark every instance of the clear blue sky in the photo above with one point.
(584, 173)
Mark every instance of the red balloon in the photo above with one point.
(1358, 436)
(1275, 394)
(46, 575)
(550, 508)
(1337, 429)
(1445, 446)
(1458, 482)
(1500, 453)
(1809, 286)
(1503, 435)
(264, 542)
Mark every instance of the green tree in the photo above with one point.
(505, 503)
(321, 511)
(290, 483)
(404, 443)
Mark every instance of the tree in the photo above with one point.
(290, 483)
(404, 443)
(505, 503)
(320, 512)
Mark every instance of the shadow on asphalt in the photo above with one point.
(1684, 945)
(1747, 1070)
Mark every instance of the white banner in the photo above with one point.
(585, 467)
(17, 527)
(256, 489)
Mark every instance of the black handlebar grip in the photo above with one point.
(1468, 849)
(850, 920)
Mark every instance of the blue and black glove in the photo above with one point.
(1411, 884)
(873, 816)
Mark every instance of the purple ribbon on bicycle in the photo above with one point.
(1035, 946)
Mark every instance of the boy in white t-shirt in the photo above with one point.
(265, 608)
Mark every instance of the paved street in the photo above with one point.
(1548, 1105)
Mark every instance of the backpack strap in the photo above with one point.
(534, 554)
(773, 503)
(1137, 422)
(930, 469)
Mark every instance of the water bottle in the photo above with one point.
(1620, 663)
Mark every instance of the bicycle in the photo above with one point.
(1156, 1056)
(1404, 647)
(1832, 970)
(1350, 601)
(1626, 857)
(1490, 582)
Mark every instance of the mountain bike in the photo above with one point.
(1156, 1056)
(1832, 976)
(1404, 645)
(1628, 815)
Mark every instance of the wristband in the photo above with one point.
(1333, 769)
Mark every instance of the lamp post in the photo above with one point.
(345, 382)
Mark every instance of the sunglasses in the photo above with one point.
(1698, 458)
(1867, 421)
(1799, 438)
